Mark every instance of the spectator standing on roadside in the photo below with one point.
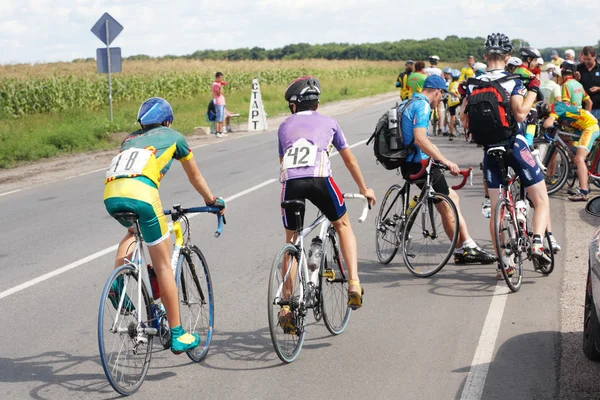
(570, 55)
(556, 60)
(589, 73)
(219, 100)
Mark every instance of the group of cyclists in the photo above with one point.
(306, 139)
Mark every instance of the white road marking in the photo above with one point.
(56, 272)
(101, 253)
(91, 172)
(11, 192)
(475, 383)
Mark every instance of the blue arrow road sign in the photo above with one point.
(114, 28)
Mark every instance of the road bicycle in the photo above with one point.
(130, 317)
(293, 284)
(513, 228)
(416, 225)
(557, 159)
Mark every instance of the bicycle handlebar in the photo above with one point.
(206, 209)
(366, 205)
(466, 173)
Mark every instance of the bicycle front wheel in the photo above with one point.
(545, 269)
(388, 224)
(557, 165)
(196, 300)
(507, 247)
(125, 347)
(429, 239)
(334, 286)
(286, 289)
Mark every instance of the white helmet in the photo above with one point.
(540, 61)
(514, 62)
(552, 68)
(479, 66)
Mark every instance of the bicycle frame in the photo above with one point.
(137, 261)
(299, 243)
(556, 140)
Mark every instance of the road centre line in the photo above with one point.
(110, 249)
(473, 389)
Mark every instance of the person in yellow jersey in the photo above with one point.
(556, 60)
(402, 80)
(467, 71)
(131, 185)
(453, 100)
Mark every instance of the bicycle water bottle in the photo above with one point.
(412, 204)
(154, 283)
(394, 137)
(315, 253)
(521, 211)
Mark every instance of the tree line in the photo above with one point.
(450, 49)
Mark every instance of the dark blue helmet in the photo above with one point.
(155, 110)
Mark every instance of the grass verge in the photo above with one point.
(33, 137)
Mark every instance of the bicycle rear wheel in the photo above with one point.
(334, 286)
(428, 242)
(196, 300)
(125, 350)
(286, 285)
(507, 248)
(388, 224)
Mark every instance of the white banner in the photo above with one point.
(257, 119)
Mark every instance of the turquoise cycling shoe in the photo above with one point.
(181, 341)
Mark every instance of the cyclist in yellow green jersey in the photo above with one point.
(467, 71)
(572, 91)
(417, 78)
(132, 182)
(402, 80)
(586, 126)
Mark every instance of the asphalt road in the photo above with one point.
(413, 339)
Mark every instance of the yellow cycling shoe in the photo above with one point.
(285, 320)
(355, 298)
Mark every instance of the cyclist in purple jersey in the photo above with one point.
(306, 139)
(319, 130)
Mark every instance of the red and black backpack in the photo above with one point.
(490, 115)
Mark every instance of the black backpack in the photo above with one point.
(388, 143)
(489, 113)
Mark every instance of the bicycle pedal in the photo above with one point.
(329, 274)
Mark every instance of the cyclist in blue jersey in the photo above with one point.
(414, 117)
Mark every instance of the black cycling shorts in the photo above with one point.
(438, 180)
(322, 192)
(452, 110)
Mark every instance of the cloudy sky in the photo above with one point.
(59, 30)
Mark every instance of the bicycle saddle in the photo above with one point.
(293, 205)
(126, 216)
(496, 151)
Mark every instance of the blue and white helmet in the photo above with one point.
(447, 70)
(155, 110)
(455, 74)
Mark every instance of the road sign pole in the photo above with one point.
(109, 80)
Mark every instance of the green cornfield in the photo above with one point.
(78, 87)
